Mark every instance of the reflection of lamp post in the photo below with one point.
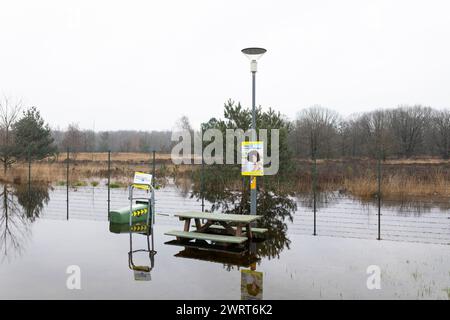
(253, 54)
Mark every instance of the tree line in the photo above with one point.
(403, 132)
(78, 140)
(316, 132)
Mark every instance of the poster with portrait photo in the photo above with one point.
(252, 158)
(251, 285)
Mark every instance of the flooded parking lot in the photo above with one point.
(37, 251)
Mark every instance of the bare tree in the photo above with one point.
(408, 125)
(375, 132)
(73, 139)
(440, 131)
(318, 128)
(9, 114)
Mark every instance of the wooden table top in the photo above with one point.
(242, 218)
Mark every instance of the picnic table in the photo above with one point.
(237, 227)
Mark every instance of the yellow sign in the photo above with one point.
(252, 158)
(253, 183)
(142, 180)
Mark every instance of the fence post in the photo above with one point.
(29, 177)
(153, 166)
(153, 184)
(202, 180)
(67, 184)
(379, 196)
(314, 192)
(109, 181)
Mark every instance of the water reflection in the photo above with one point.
(324, 199)
(20, 205)
(405, 206)
(276, 209)
(251, 284)
(410, 207)
(32, 198)
(230, 259)
(141, 272)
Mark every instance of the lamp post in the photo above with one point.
(253, 54)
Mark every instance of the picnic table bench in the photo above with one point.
(237, 227)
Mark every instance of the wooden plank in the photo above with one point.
(243, 218)
(254, 230)
(206, 236)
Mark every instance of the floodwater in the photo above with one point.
(40, 240)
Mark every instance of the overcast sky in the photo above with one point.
(143, 64)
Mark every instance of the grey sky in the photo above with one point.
(142, 64)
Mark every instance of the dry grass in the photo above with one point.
(398, 186)
(115, 156)
(55, 172)
(129, 157)
(400, 178)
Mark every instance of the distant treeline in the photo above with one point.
(405, 131)
(117, 141)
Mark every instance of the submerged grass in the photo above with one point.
(117, 184)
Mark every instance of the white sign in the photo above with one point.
(142, 178)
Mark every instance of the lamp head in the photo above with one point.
(253, 54)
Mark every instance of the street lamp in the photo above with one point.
(253, 54)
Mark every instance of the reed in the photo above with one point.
(358, 177)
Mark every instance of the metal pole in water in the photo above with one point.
(109, 181)
(314, 192)
(202, 181)
(153, 167)
(253, 54)
(67, 184)
(153, 191)
(254, 137)
(29, 179)
(379, 198)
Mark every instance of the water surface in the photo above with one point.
(38, 243)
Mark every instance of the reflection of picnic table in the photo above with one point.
(237, 227)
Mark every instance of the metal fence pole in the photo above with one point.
(29, 177)
(67, 184)
(314, 193)
(379, 197)
(153, 194)
(202, 179)
(109, 181)
(153, 166)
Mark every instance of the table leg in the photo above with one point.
(239, 230)
(187, 224)
(198, 225)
